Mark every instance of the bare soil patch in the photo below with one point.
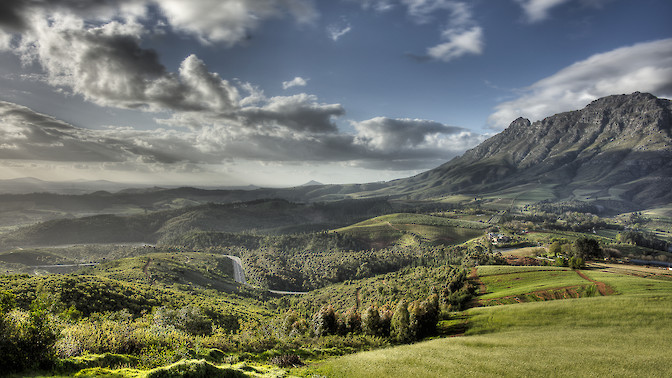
(603, 288)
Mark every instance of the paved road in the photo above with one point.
(238, 272)
(239, 276)
(63, 265)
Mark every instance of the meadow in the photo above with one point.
(616, 335)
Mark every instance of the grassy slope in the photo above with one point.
(172, 269)
(527, 282)
(400, 227)
(619, 335)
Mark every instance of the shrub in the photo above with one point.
(26, 338)
(576, 262)
(287, 360)
(194, 369)
(325, 321)
(352, 321)
(189, 319)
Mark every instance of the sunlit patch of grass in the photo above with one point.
(526, 282)
(600, 336)
(617, 335)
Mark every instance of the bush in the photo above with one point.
(576, 262)
(194, 369)
(287, 360)
(26, 338)
(325, 321)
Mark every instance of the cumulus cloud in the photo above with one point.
(295, 82)
(460, 36)
(96, 52)
(300, 112)
(230, 21)
(106, 65)
(644, 67)
(411, 143)
(28, 135)
(378, 143)
(212, 21)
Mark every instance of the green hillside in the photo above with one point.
(176, 270)
(409, 229)
(616, 335)
(261, 216)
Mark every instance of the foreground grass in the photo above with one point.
(620, 335)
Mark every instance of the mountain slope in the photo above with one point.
(618, 148)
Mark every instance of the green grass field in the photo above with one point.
(619, 335)
(516, 283)
(407, 229)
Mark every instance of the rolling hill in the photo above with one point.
(260, 216)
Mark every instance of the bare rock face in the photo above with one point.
(618, 147)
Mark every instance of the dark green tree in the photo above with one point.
(325, 321)
(400, 326)
(371, 321)
(587, 249)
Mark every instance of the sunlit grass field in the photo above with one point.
(397, 228)
(619, 335)
(527, 282)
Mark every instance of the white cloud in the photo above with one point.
(424, 10)
(336, 32)
(206, 119)
(538, 10)
(230, 21)
(295, 82)
(212, 21)
(461, 36)
(410, 143)
(644, 67)
(459, 42)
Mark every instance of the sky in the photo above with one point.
(281, 92)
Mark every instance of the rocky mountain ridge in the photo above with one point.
(616, 148)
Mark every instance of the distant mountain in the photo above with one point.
(32, 185)
(312, 183)
(616, 152)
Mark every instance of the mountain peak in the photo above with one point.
(618, 149)
(312, 183)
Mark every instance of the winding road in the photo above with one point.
(239, 276)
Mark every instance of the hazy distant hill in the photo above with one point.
(617, 150)
(260, 216)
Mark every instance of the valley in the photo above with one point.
(543, 255)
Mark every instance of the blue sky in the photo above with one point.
(280, 92)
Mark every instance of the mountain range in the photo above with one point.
(615, 153)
